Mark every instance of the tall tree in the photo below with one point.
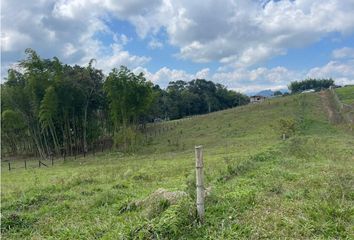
(129, 96)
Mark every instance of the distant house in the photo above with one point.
(257, 99)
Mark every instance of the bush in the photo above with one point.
(127, 137)
(287, 126)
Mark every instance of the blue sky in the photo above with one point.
(246, 45)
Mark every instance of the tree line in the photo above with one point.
(315, 84)
(51, 108)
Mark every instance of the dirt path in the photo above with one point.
(328, 104)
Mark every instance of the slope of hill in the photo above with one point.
(346, 94)
(261, 186)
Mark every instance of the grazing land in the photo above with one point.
(260, 186)
(346, 94)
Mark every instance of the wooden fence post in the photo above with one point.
(284, 136)
(199, 182)
(25, 164)
(9, 166)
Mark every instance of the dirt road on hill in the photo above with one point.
(329, 105)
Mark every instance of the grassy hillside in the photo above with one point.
(261, 186)
(346, 94)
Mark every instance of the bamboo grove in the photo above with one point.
(50, 108)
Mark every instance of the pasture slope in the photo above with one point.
(261, 186)
(346, 94)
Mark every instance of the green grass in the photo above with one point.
(262, 187)
(346, 94)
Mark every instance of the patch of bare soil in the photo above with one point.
(329, 105)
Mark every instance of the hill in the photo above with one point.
(266, 93)
(261, 186)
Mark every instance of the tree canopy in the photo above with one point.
(315, 84)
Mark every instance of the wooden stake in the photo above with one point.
(199, 182)
(284, 136)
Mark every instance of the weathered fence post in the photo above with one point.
(25, 164)
(284, 136)
(9, 166)
(199, 182)
(51, 156)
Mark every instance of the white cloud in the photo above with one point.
(155, 44)
(11, 40)
(165, 75)
(253, 80)
(341, 72)
(66, 29)
(238, 34)
(344, 52)
(245, 80)
(246, 32)
(117, 58)
(203, 74)
(242, 32)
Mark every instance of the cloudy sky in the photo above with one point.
(247, 45)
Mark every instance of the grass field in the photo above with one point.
(346, 94)
(261, 186)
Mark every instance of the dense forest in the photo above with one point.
(50, 108)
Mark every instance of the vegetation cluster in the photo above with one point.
(315, 84)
